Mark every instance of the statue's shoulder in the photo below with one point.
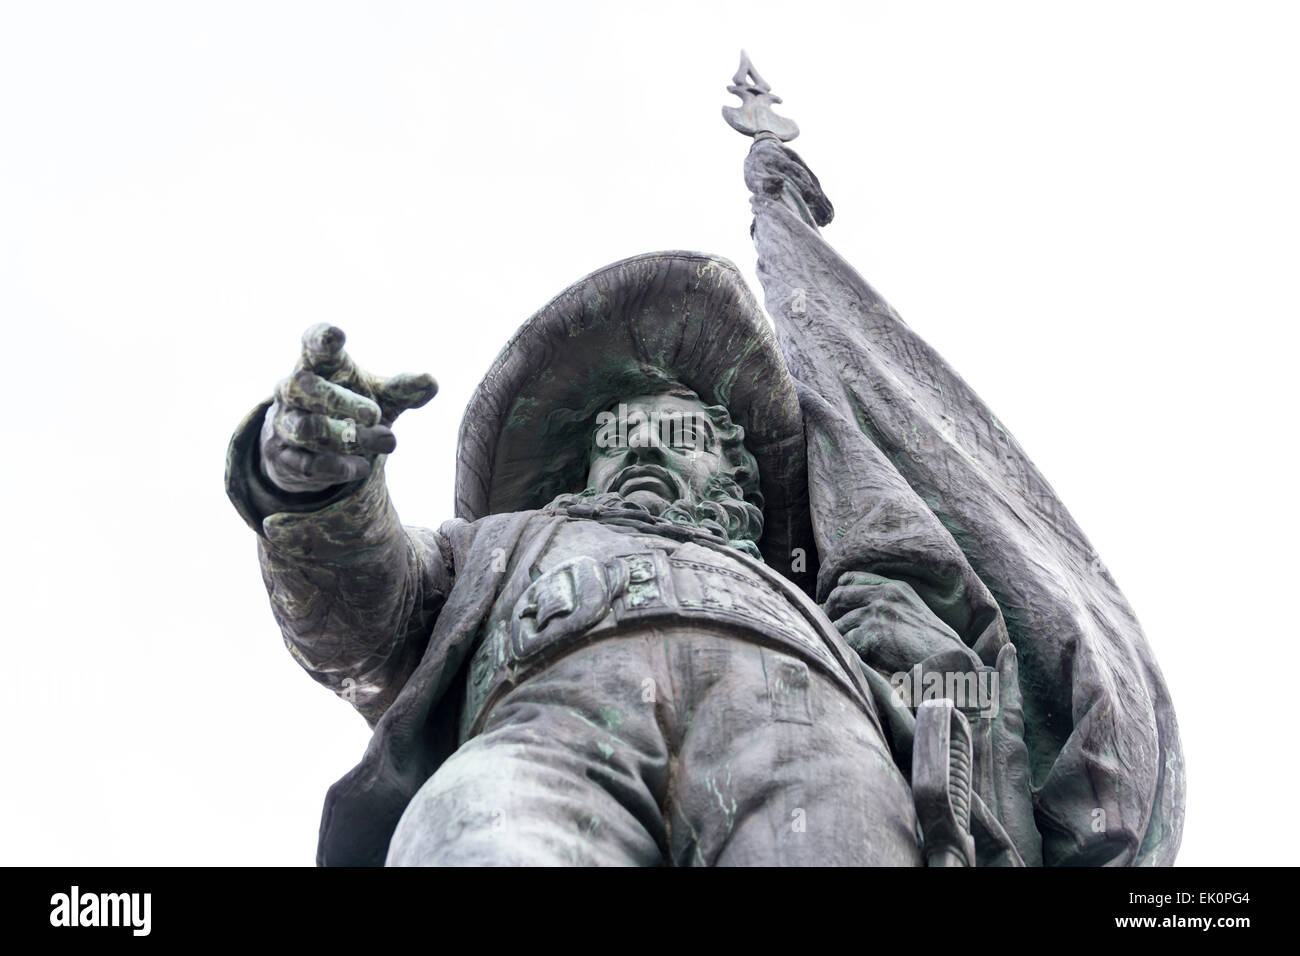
(495, 533)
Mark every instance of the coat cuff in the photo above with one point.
(340, 519)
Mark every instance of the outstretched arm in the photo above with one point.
(354, 592)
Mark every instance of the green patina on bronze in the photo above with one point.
(693, 652)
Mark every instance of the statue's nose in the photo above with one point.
(648, 451)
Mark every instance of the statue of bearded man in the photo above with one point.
(707, 598)
(594, 664)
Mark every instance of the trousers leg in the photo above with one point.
(777, 766)
(569, 770)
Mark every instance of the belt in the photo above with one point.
(584, 598)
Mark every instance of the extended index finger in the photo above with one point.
(322, 353)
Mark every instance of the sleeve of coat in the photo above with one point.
(354, 592)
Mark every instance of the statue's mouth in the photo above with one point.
(650, 478)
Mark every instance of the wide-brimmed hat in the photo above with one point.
(624, 331)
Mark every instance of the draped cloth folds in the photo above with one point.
(911, 476)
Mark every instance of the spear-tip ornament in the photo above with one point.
(754, 116)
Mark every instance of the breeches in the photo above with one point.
(667, 746)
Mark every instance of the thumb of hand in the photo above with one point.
(400, 392)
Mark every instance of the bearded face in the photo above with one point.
(672, 456)
(655, 450)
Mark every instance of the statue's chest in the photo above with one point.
(592, 581)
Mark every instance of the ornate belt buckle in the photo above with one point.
(566, 600)
(641, 582)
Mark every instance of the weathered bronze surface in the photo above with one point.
(717, 591)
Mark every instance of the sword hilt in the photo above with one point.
(942, 770)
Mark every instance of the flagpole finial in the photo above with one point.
(754, 116)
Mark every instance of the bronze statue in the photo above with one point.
(715, 592)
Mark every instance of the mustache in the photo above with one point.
(647, 470)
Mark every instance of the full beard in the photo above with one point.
(722, 513)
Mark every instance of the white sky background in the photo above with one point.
(1090, 210)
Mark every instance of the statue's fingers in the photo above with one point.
(397, 394)
(322, 348)
(323, 354)
(314, 470)
(847, 622)
(321, 433)
(858, 577)
(864, 642)
(307, 391)
(847, 598)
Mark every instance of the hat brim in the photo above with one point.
(615, 334)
